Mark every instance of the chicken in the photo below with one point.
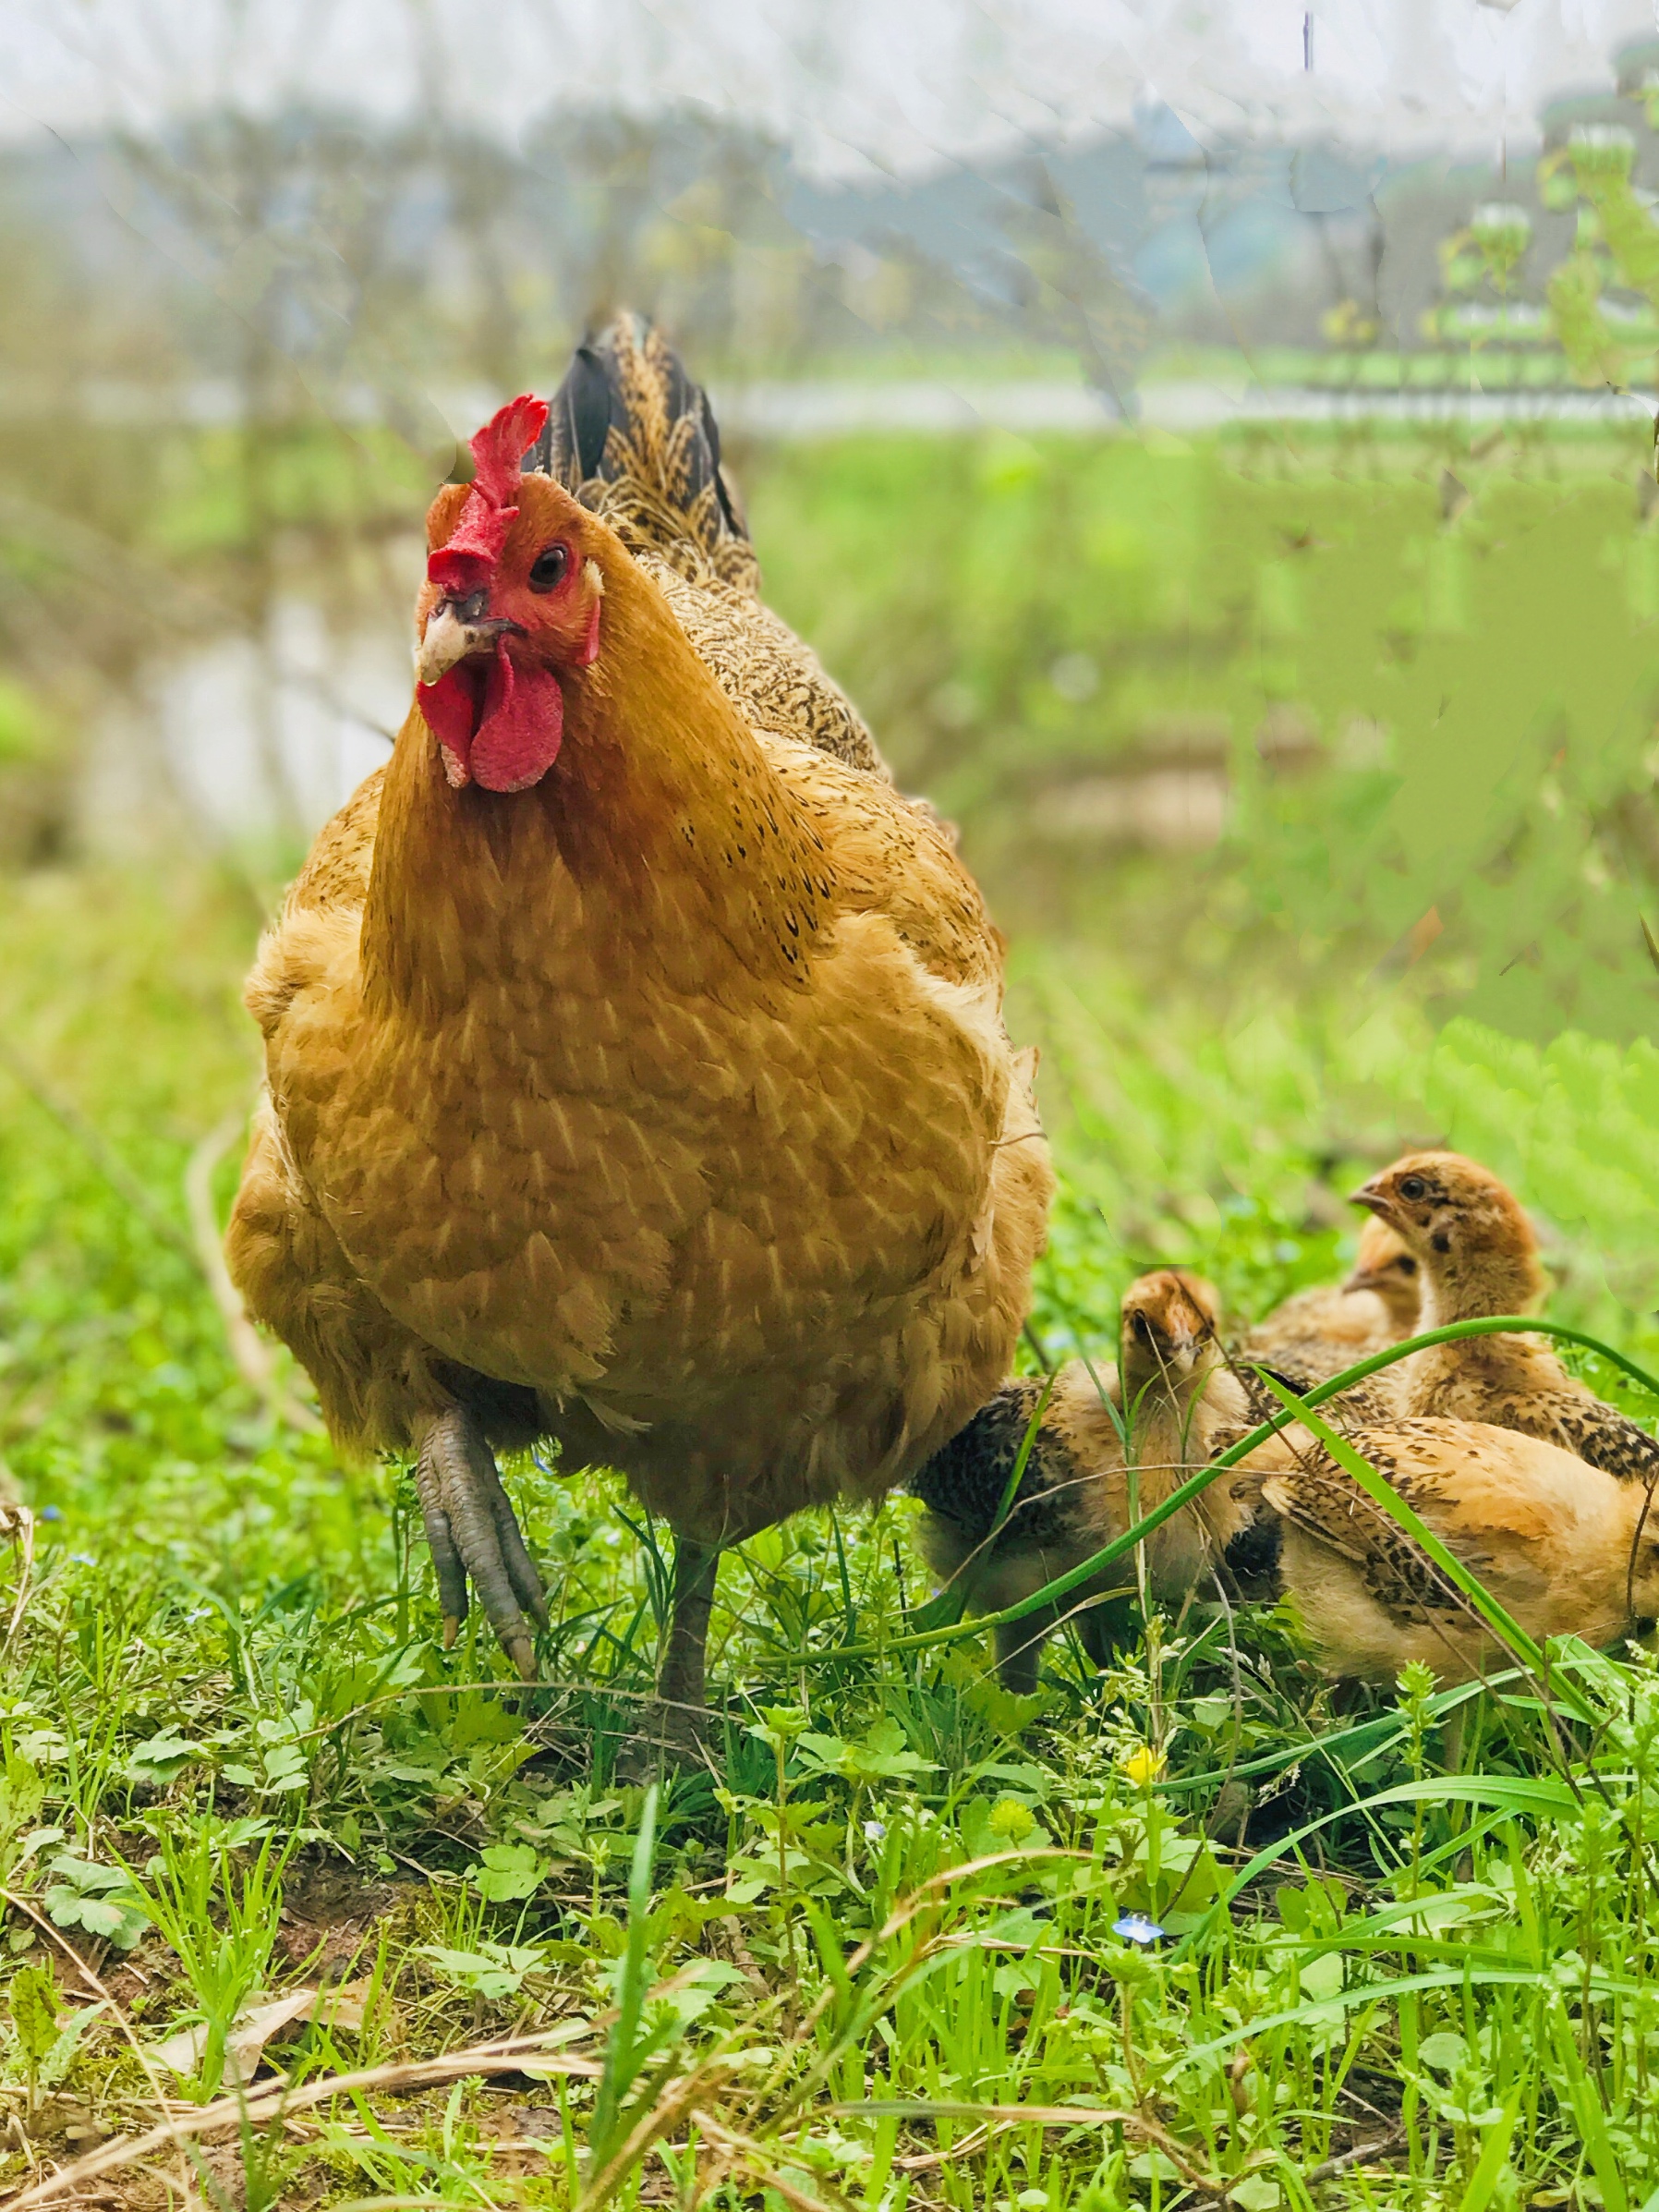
(1562, 1546)
(1074, 1494)
(1480, 1257)
(636, 1075)
(1317, 1333)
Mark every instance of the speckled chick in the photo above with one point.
(1102, 1433)
(1563, 1546)
(1317, 1333)
(1479, 1257)
(635, 1079)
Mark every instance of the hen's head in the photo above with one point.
(511, 605)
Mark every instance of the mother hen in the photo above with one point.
(636, 1074)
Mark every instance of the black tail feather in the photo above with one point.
(628, 415)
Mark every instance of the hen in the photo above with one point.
(636, 1074)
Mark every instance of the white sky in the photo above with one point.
(895, 83)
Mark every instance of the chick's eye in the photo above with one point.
(1406, 1264)
(1141, 1327)
(547, 570)
(1413, 1187)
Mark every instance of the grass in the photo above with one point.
(873, 1959)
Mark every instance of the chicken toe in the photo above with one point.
(474, 1534)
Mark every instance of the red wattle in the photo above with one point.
(522, 726)
(450, 707)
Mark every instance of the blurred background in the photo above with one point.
(1213, 444)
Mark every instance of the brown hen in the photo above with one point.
(636, 1077)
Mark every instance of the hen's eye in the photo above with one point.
(547, 572)
(1413, 1187)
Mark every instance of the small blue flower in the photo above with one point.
(50, 1512)
(1135, 1927)
(875, 1830)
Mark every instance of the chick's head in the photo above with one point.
(1168, 1326)
(1384, 1266)
(1463, 1226)
(510, 610)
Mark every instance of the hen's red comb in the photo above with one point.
(501, 445)
(473, 547)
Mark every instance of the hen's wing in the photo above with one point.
(320, 916)
(635, 440)
(892, 856)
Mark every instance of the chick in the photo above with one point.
(1319, 1333)
(1168, 1394)
(1479, 1257)
(1560, 1544)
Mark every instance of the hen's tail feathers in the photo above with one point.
(634, 440)
(631, 435)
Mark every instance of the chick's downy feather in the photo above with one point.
(1560, 1544)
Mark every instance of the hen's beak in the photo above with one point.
(454, 629)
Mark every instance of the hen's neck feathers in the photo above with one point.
(661, 837)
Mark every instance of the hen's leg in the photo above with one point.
(1019, 1646)
(472, 1532)
(675, 1721)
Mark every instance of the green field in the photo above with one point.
(870, 1959)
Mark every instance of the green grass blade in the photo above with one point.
(1541, 1795)
(1585, 2099)
(1489, 2166)
(622, 2045)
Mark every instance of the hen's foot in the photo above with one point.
(473, 1534)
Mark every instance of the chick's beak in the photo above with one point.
(1371, 1198)
(454, 629)
(1363, 1279)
